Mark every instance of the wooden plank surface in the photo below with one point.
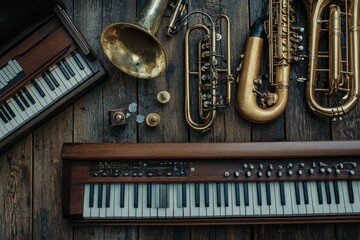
(30, 171)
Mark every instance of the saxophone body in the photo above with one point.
(280, 33)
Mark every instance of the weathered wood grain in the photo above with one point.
(47, 168)
(16, 191)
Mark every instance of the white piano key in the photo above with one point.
(310, 206)
(302, 206)
(265, 208)
(79, 72)
(69, 84)
(95, 211)
(86, 208)
(288, 207)
(292, 198)
(202, 208)
(169, 211)
(145, 208)
(253, 189)
(273, 195)
(111, 210)
(229, 208)
(356, 204)
(249, 210)
(333, 206)
(326, 206)
(186, 210)
(279, 207)
(116, 203)
(132, 210)
(102, 209)
(154, 199)
(344, 197)
(87, 69)
(178, 209)
(210, 209)
(139, 210)
(38, 105)
(161, 211)
(195, 211)
(318, 208)
(125, 210)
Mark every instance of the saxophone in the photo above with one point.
(283, 41)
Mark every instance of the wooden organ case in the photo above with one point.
(45, 64)
(211, 183)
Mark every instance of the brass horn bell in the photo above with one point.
(133, 48)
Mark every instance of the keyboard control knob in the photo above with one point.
(329, 170)
(226, 174)
(259, 174)
(290, 165)
(247, 174)
(245, 166)
(351, 172)
(251, 166)
(236, 174)
(322, 170)
(268, 173)
(290, 172)
(311, 171)
(299, 172)
(337, 171)
(271, 167)
(279, 173)
(261, 167)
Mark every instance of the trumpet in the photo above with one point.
(342, 55)
(283, 42)
(208, 71)
(133, 47)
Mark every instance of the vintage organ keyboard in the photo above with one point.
(44, 65)
(211, 183)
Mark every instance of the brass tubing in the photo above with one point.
(315, 10)
(334, 45)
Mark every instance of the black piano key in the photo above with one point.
(100, 195)
(10, 111)
(149, 195)
(306, 193)
(122, 195)
(55, 82)
(18, 102)
(218, 195)
(107, 195)
(351, 191)
(28, 95)
(48, 82)
(22, 98)
(319, 191)
(7, 116)
(327, 191)
(237, 194)
(268, 193)
(3, 118)
(91, 200)
(197, 195)
(336, 192)
(63, 71)
(282, 193)
(226, 195)
(38, 89)
(246, 194)
(136, 195)
(68, 67)
(206, 191)
(183, 195)
(77, 61)
(258, 193)
(297, 193)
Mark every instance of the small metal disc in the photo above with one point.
(152, 119)
(163, 96)
(140, 118)
(133, 107)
